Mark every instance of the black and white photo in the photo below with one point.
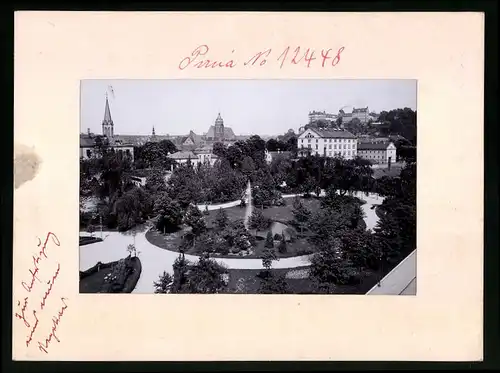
(248, 186)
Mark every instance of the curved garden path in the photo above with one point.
(156, 260)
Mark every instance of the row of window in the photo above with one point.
(334, 146)
(309, 137)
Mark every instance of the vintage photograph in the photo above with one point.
(248, 186)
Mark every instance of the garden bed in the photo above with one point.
(173, 241)
(114, 277)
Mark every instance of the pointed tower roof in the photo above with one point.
(107, 112)
(219, 119)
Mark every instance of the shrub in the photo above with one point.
(280, 202)
(269, 240)
(282, 245)
(259, 221)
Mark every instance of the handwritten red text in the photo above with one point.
(36, 259)
(55, 322)
(32, 317)
(195, 61)
(300, 56)
(50, 283)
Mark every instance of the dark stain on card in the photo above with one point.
(26, 165)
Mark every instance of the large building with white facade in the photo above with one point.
(377, 152)
(328, 143)
(315, 116)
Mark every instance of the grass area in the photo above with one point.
(276, 213)
(245, 281)
(393, 172)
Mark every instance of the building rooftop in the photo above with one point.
(183, 155)
(228, 133)
(334, 133)
(402, 280)
(373, 145)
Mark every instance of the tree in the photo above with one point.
(163, 285)
(268, 255)
(167, 146)
(132, 250)
(219, 150)
(330, 268)
(169, 213)
(131, 208)
(155, 182)
(91, 230)
(282, 245)
(273, 284)
(309, 186)
(206, 277)
(301, 214)
(247, 166)
(221, 220)
(180, 282)
(194, 219)
(185, 185)
(258, 221)
(269, 240)
(272, 145)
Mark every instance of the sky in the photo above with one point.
(250, 106)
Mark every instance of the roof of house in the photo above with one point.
(337, 134)
(360, 110)
(373, 145)
(228, 133)
(86, 141)
(196, 139)
(397, 137)
(183, 155)
(206, 149)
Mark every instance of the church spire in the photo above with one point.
(107, 122)
(153, 130)
(107, 112)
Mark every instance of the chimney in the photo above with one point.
(88, 131)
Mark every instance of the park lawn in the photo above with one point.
(276, 213)
(393, 172)
(245, 281)
(169, 241)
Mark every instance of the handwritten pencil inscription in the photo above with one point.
(40, 280)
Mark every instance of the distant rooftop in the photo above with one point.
(373, 145)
